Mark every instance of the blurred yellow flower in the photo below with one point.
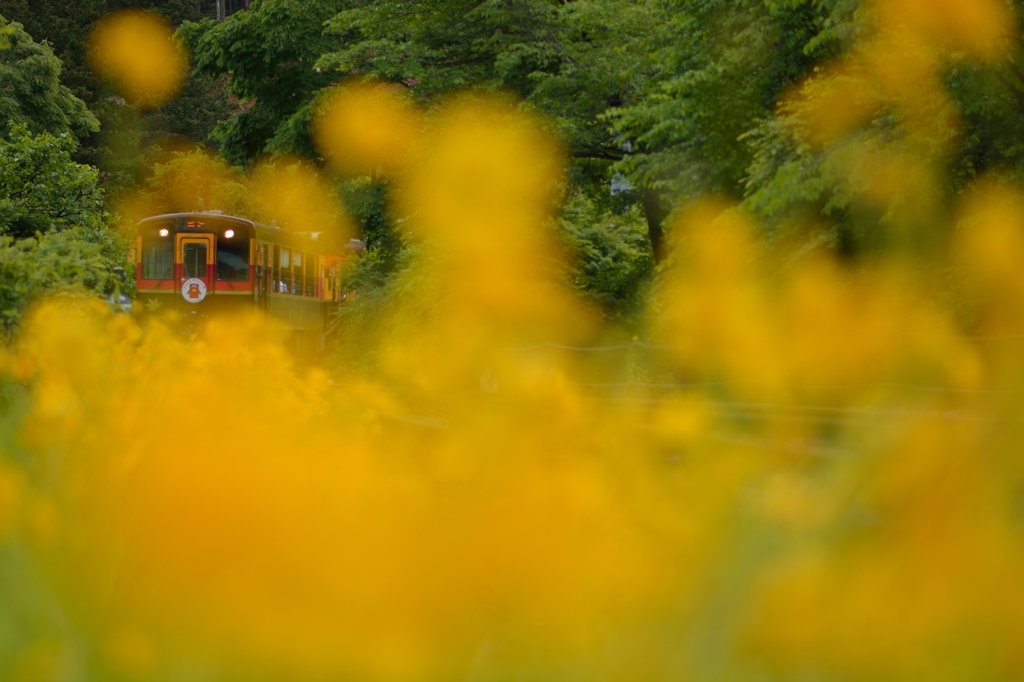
(296, 195)
(981, 28)
(137, 53)
(11, 493)
(363, 129)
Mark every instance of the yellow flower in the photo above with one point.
(138, 54)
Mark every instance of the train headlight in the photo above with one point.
(228, 234)
(164, 232)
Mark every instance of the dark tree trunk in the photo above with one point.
(654, 211)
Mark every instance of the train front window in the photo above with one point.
(233, 259)
(157, 258)
(194, 257)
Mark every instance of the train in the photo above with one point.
(198, 264)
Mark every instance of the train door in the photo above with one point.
(195, 258)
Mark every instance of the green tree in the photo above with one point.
(440, 46)
(126, 133)
(195, 113)
(268, 54)
(178, 183)
(31, 93)
(53, 229)
(42, 189)
(568, 60)
(710, 71)
(610, 255)
(65, 25)
(792, 182)
(76, 260)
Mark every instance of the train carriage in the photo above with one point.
(203, 263)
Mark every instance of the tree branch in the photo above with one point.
(606, 154)
(1016, 72)
(1017, 93)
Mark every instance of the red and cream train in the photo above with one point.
(203, 263)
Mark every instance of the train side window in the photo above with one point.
(286, 271)
(276, 285)
(297, 266)
(157, 258)
(233, 259)
(311, 274)
(194, 257)
(267, 253)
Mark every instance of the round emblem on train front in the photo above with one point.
(193, 290)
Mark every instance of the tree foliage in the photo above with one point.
(711, 69)
(657, 102)
(269, 54)
(70, 261)
(42, 189)
(439, 46)
(610, 255)
(924, 137)
(31, 93)
(179, 182)
(54, 234)
(66, 26)
(126, 133)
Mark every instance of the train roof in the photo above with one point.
(319, 242)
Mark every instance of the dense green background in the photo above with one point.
(657, 102)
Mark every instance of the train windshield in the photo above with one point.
(157, 258)
(233, 259)
(194, 257)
